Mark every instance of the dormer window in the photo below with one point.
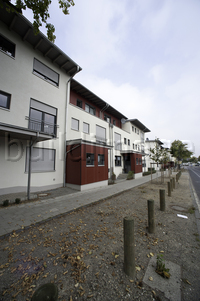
(79, 103)
(89, 109)
(107, 118)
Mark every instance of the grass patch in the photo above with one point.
(191, 210)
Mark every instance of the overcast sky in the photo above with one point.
(140, 56)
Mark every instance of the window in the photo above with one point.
(136, 146)
(45, 72)
(133, 128)
(100, 160)
(79, 103)
(140, 161)
(86, 128)
(107, 118)
(138, 131)
(5, 100)
(90, 159)
(114, 122)
(89, 109)
(7, 46)
(75, 124)
(117, 141)
(100, 134)
(133, 145)
(43, 159)
(42, 118)
(118, 161)
(128, 142)
(124, 140)
(136, 161)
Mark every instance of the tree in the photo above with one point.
(159, 155)
(179, 150)
(193, 159)
(40, 9)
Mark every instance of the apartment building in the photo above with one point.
(100, 141)
(53, 130)
(34, 85)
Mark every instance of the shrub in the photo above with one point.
(5, 203)
(17, 200)
(146, 173)
(149, 169)
(113, 176)
(130, 175)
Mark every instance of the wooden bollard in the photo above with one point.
(162, 199)
(174, 185)
(151, 216)
(129, 247)
(169, 188)
(171, 183)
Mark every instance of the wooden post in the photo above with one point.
(151, 216)
(169, 188)
(162, 199)
(171, 183)
(174, 185)
(129, 247)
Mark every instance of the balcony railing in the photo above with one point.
(42, 126)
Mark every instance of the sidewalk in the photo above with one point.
(61, 201)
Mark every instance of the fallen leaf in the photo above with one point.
(151, 278)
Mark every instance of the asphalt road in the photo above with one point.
(195, 177)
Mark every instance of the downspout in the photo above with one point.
(66, 115)
(104, 108)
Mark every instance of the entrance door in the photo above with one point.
(127, 163)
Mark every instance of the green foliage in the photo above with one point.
(193, 159)
(40, 9)
(17, 200)
(5, 203)
(159, 155)
(146, 173)
(113, 177)
(160, 267)
(130, 175)
(179, 150)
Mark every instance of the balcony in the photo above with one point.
(42, 126)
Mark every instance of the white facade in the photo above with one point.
(27, 90)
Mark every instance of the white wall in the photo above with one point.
(17, 79)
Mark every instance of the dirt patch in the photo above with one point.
(82, 252)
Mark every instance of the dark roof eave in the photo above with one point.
(16, 22)
(86, 93)
(139, 124)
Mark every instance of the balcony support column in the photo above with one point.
(29, 168)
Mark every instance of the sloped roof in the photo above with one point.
(24, 28)
(87, 94)
(139, 124)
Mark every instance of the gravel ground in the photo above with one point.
(82, 252)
